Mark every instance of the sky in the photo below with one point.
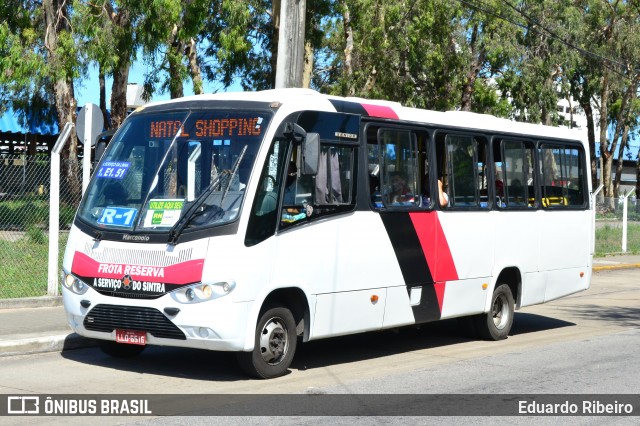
(89, 90)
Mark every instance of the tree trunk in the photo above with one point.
(618, 177)
(194, 68)
(307, 74)
(606, 179)
(119, 94)
(604, 148)
(56, 20)
(348, 50)
(176, 88)
(477, 55)
(122, 20)
(103, 97)
(591, 137)
(275, 39)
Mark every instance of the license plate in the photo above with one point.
(131, 337)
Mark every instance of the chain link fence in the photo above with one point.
(24, 221)
(610, 226)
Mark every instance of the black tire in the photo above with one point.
(120, 350)
(275, 345)
(496, 324)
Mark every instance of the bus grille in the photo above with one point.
(106, 318)
(129, 295)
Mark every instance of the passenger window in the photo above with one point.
(333, 182)
(562, 176)
(330, 191)
(515, 185)
(398, 168)
(463, 171)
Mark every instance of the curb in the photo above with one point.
(31, 302)
(613, 267)
(57, 343)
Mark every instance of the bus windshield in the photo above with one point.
(170, 169)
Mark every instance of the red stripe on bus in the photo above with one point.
(380, 111)
(435, 246)
(436, 250)
(439, 287)
(181, 273)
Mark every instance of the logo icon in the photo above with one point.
(126, 282)
(23, 405)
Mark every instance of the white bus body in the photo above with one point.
(246, 270)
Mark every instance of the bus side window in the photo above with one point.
(462, 171)
(518, 174)
(264, 212)
(329, 191)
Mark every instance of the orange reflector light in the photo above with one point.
(581, 274)
(485, 286)
(374, 298)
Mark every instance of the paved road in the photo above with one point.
(585, 343)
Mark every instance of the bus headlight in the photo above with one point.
(202, 292)
(72, 283)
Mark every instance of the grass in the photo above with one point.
(25, 265)
(609, 239)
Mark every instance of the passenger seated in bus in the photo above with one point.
(426, 193)
(374, 190)
(443, 197)
(400, 192)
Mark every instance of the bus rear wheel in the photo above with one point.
(496, 324)
(120, 350)
(274, 346)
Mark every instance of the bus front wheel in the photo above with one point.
(274, 346)
(496, 324)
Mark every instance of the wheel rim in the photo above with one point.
(500, 312)
(273, 341)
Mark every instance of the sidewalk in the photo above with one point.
(38, 324)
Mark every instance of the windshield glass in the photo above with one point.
(162, 163)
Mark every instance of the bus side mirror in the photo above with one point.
(310, 154)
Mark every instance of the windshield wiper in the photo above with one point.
(233, 174)
(177, 229)
(197, 203)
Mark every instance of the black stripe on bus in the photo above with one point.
(349, 107)
(413, 263)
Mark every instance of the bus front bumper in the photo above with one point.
(219, 324)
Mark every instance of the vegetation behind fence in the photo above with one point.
(24, 225)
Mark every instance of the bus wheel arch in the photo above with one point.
(496, 322)
(282, 318)
(512, 277)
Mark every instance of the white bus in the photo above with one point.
(244, 221)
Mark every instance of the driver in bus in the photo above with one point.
(292, 214)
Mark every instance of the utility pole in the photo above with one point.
(290, 64)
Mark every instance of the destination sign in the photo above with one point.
(162, 129)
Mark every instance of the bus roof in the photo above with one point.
(311, 99)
